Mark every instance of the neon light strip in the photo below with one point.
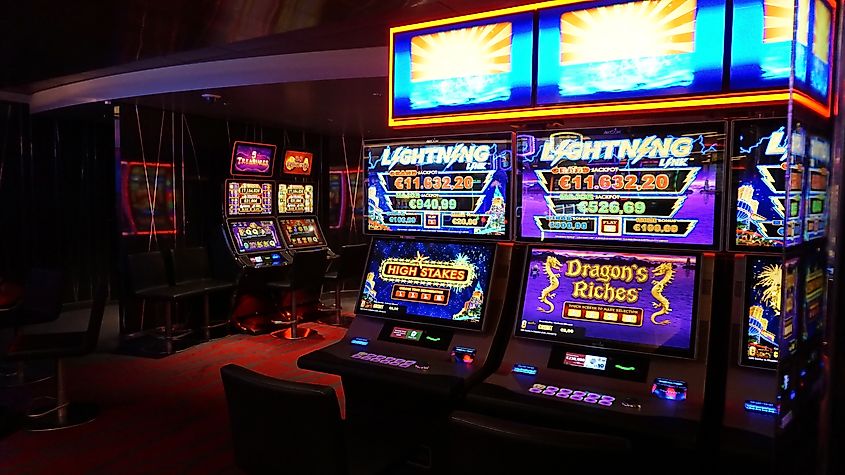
(723, 100)
(812, 104)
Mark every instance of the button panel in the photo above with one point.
(384, 359)
(572, 395)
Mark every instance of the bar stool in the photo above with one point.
(191, 268)
(306, 272)
(350, 266)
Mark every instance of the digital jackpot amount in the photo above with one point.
(443, 187)
(631, 184)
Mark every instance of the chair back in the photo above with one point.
(95, 319)
(353, 258)
(42, 297)
(308, 269)
(147, 270)
(190, 264)
(283, 426)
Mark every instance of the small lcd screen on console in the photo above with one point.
(301, 233)
(443, 283)
(255, 236)
(641, 302)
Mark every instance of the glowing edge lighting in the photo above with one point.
(770, 97)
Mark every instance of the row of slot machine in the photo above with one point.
(268, 216)
(664, 283)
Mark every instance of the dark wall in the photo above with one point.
(57, 194)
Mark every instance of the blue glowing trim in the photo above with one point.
(359, 341)
(761, 407)
(524, 369)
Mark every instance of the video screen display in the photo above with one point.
(758, 166)
(645, 184)
(443, 283)
(821, 52)
(243, 199)
(252, 159)
(301, 233)
(298, 163)
(627, 50)
(641, 302)
(462, 67)
(255, 236)
(816, 210)
(147, 199)
(767, 324)
(295, 199)
(815, 287)
(442, 187)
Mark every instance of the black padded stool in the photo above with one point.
(149, 281)
(349, 266)
(305, 272)
(191, 268)
(58, 346)
(283, 426)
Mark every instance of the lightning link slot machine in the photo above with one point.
(613, 321)
(432, 296)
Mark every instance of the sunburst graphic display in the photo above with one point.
(475, 51)
(626, 31)
(821, 32)
(777, 20)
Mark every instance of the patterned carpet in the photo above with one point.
(162, 416)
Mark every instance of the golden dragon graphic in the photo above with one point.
(551, 264)
(667, 270)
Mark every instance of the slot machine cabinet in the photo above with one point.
(403, 373)
(652, 396)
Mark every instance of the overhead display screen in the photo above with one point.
(442, 187)
(252, 159)
(642, 302)
(461, 67)
(255, 236)
(298, 163)
(295, 199)
(248, 198)
(635, 184)
(627, 50)
(815, 188)
(821, 52)
(758, 167)
(443, 283)
(301, 233)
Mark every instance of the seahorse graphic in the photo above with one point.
(667, 270)
(551, 264)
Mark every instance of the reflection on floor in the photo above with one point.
(157, 415)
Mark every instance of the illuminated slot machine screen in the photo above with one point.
(295, 199)
(815, 281)
(768, 326)
(628, 50)
(301, 233)
(461, 67)
(255, 236)
(141, 184)
(762, 215)
(816, 210)
(441, 283)
(297, 163)
(655, 184)
(252, 159)
(443, 186)
(249, 198)
(637, 302)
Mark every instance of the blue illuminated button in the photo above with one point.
(761, 407)
(359, 341)
(524, 369)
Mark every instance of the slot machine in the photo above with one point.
(433, 288)
(296, 199)
(612, 329)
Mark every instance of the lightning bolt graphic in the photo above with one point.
(677, 205)
(690, 178)
(746, 151)
(767, 177)
(778, 205)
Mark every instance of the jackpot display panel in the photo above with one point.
(641, 302)
(295, 198)
(252, 159)
(440, 186)
(652, 184)
(441, 283)
(245, 198)
(764, 173)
